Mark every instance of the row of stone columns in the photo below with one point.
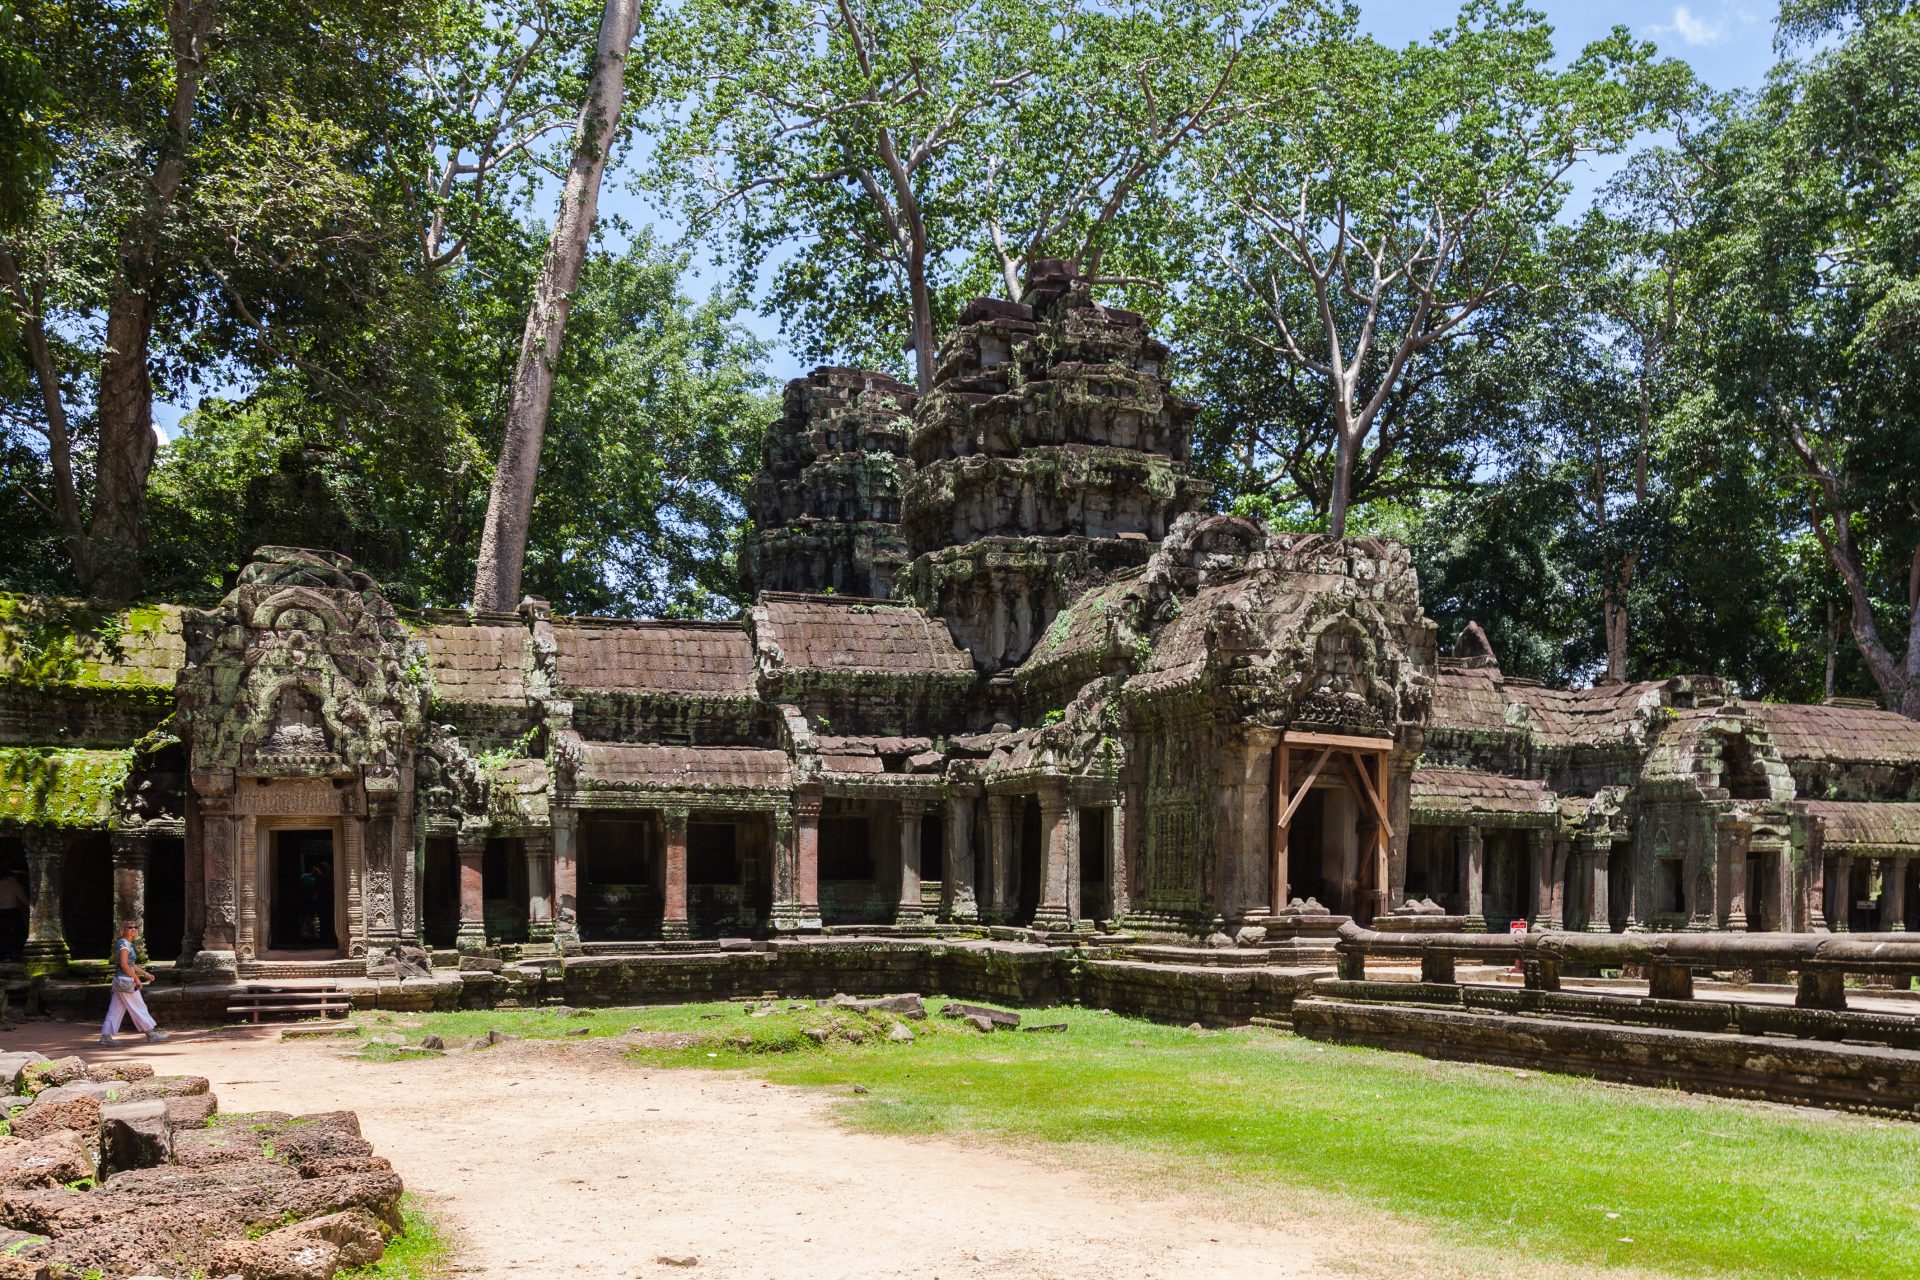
(538, 848)
(46, 853)
(1893, 893)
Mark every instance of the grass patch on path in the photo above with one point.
(420, 1252)
(1541, 1165)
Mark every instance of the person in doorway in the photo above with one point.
(128, 978)
(13, 916)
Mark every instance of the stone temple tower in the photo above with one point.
(826, 503)
(1049, 455)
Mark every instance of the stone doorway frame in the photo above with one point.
(1349, 755)
(260, 847)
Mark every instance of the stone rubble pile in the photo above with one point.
(109, 1170)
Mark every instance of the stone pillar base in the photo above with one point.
(40, 957)
(215, 962)
(905, 914)
(1599, 926)
(1054, 921)
(675, 931)
(540, 931)
(472, 937)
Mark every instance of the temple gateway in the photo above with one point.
(1002, 671)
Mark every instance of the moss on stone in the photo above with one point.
(54, 787)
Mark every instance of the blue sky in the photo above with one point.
(1728, 42)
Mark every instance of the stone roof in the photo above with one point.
(478, 662)
(844, 633)
(867, 755)
(623, 766)
(1480, 699)
(702, 659)
(1840, 733)
(1877, 823)
(1442, 792)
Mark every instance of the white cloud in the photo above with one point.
(1691, 28)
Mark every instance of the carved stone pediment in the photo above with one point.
(303, 670)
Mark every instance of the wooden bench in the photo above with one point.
(256, 1002)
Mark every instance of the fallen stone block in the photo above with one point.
(48, 1072)
(906, 1006)
(21, 1244)
(899, 1034)
(356, 1233)
(273, 1257)
(80, 1114)
(979, 1022)
(1046, 1026)
(17, 1268)
(134, 1135)
(50, 1161)
(433, 1042)
(13, 1065)
(998, 1017)
(819, 1035)
(104, 1072)
(166, 1087)
(190, 1112)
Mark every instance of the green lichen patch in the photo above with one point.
(50, 643)
(54, 787)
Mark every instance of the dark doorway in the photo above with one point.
(303, 893)
(621, 874)
(1433, 867)
(1306, 855)
(1094, 897)
(1763, 893)
(850, 891)
(716, 898)
(166, 922)
(440, 893)
(503, 888)
(13, 922)
(933, 859)
(1026, 896)
(1505, 890)
(1620, 904)
(86, 897)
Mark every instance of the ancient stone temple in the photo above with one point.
(1002, 671)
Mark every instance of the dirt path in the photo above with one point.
(561, 1160)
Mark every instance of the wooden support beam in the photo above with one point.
(1306, 785)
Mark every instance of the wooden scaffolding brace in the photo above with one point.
(1351, 755)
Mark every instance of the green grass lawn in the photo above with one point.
(1545, 1166)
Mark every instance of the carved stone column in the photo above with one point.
(1554, 891)
(1841, 913)
(566, 878)
(1059, 857)
(959, 899)
(46, 947)
(538, 847)
(1251, 771)
(785, 917)
(1119, 863)
(1813, 874)
(1893, 916)
(131, 852)
(909, 910)
(219, 856)
(673, 921)
(1733, 843)
(472, 935)
(1472, 847)
(806, 821)
(999, 878)
(1542, 849)
(1596, 860)
(380, 908)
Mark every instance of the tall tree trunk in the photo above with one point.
(117, 533)
(503, 540)
(923, 352)
(1340, 492)
(110, 563)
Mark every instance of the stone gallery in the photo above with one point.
(1002, 669)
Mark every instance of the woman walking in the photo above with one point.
(127, 1000)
